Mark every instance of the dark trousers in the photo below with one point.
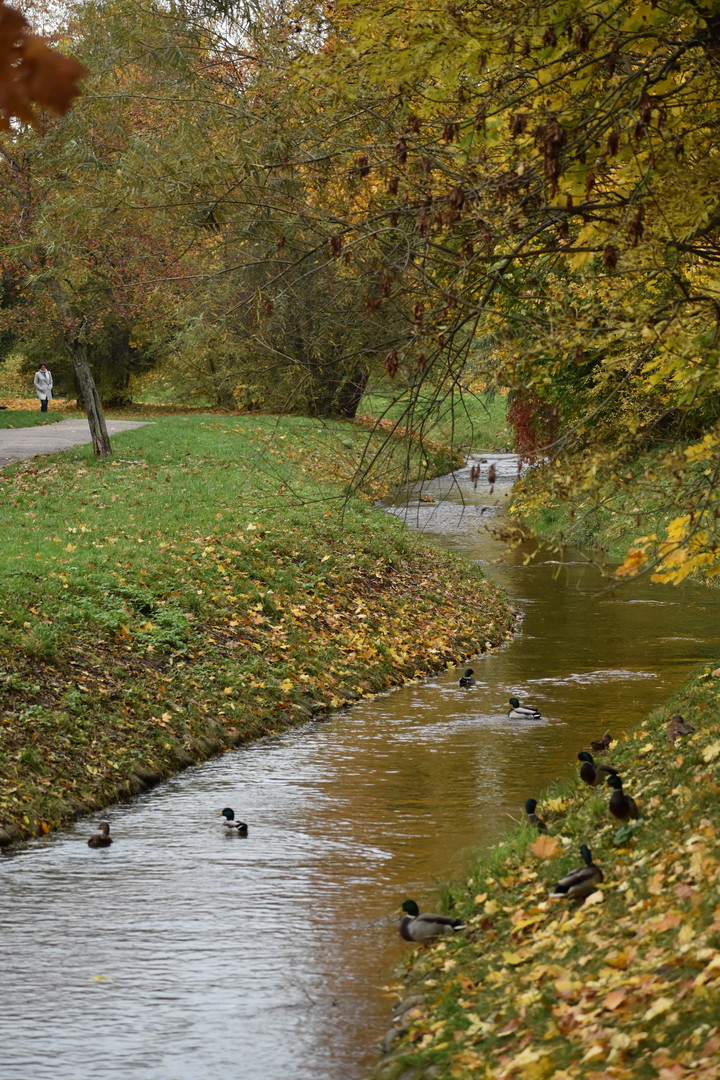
(43, 404)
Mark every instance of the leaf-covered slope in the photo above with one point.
(624, 987)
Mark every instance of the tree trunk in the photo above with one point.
(91, 401)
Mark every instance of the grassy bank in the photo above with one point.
(473, 420)
(624, 985)
(208, 584)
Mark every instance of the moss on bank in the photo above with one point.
(209, 584)
(623, 986)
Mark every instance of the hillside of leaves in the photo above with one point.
(209, 584)
(621, 987)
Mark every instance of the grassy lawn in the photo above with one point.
(14, 418)
(622, 987)
(211, 582)
(474, 421)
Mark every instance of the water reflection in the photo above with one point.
(181, 953)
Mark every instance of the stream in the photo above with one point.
(182, 954)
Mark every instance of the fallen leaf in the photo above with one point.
(545, 847)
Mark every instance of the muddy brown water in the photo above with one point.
(180, 954)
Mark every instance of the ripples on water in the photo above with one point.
(183, 954)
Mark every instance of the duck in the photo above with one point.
(621, 806)
(421, 928)
(230, 826)
(102, 838)
(677, 727)
(532, 817)
(599, 746)
(579, 883)
(467, 678)
(522, 712)
(591, 772)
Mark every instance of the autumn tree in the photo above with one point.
(556, 166)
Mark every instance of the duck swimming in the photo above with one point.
(579, 883)
(230, 826)
(417, 927)
(523, 712)
(467, 678)
(102, 838)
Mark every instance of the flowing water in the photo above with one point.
(181, 954)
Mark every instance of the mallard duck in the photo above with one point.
(417, 927)
(592, 772)
(522, 712)
(467, 678)
(230, 826)
(599, 746)
(580, 883)
(621, 806)
(677, 727)
(102, 838)
(532, 817)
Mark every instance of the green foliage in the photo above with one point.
(553, 170)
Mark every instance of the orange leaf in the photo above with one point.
(545, 847)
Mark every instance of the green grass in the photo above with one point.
(468, 421)
(212, 581)
(16, 418)
(624, 985)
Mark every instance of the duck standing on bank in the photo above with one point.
(523, 712)
(677, 727)
(592, 772)
(425, 927)
(230, 826)
(579, 883)
(599, 746)
(621, 806)
(532, 817)
(102, 838)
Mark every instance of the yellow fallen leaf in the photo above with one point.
(514, 958)
(646, 748)
(481, 898)
(491, 907)
(556, 805)
(662, 1005)
(711, 752)
(596, 897)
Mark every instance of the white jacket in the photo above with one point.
(43, 384)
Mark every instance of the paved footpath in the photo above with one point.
(19, 443)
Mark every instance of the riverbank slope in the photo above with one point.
(212, 582)
(623, 986)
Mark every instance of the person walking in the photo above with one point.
(43, 386)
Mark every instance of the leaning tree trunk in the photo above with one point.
(91, 401)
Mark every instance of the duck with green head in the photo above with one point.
(579, 883)
(467, 678)
(621, 806)
(425, 927)
(523, 712)
(230, 826)
(593, 772)
(533, 819)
